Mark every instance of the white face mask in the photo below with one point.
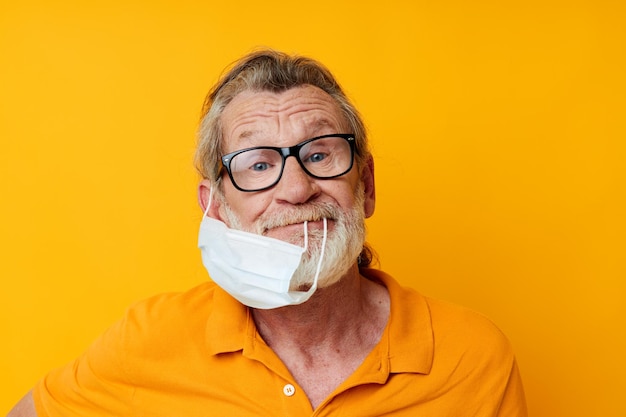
(254, 269)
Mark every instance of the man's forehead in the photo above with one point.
(249, 111)
(305, 92)
(314, 124)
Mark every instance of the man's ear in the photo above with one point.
(367, 176)
(204, 193)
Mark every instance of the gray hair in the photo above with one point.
(268, 70)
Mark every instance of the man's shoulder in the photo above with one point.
(159, 306)
(459, 323)
(160, 326)
(164, 316)
(452, 326)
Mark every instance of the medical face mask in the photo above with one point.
(254, 269)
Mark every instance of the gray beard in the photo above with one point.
(343, 244)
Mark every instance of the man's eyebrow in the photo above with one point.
(246, 134)
(250, 136)
(321, 123)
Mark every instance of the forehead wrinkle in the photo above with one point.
(239, 123)
(308, 110)
(317, 118)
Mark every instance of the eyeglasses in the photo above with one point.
(261, 167)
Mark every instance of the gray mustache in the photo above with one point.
(311, 212)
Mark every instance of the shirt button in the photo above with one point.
(289, 390)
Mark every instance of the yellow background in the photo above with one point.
(498, 128)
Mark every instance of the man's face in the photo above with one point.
(286, 119)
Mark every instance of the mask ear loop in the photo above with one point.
(319, 263)
(208, 206)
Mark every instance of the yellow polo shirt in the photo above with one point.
(198, 354)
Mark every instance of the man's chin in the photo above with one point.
(302, 287)
(324, 281)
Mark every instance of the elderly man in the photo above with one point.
(295, 322)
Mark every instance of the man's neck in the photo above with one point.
(325, 339)
(330, 312)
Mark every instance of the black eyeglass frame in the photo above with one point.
(287, 152)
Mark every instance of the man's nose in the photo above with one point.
(295, 185)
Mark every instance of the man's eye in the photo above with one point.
(316, 157)
(260, 166)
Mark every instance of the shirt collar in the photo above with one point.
(227, 323)
(409, 332)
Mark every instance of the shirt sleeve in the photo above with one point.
(513, 402)
(95, 384)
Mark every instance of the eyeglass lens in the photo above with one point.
(260, 168)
